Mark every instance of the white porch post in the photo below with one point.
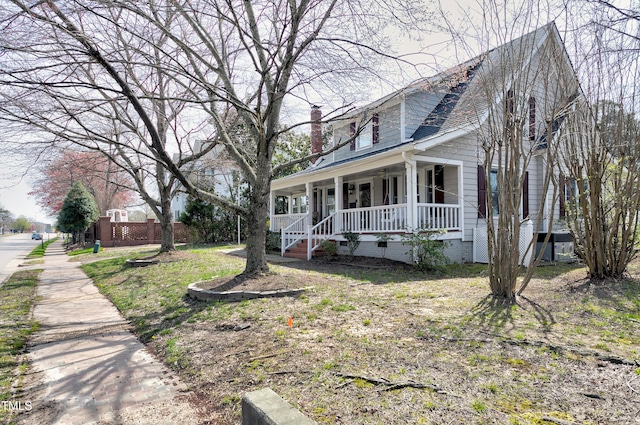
(412, 194)
(460, 200)
(309, 190)
(289, 205)
(272, 210)
(337, 181)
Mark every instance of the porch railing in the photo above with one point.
(380, 219)
(298, 230)
(393, 218)
(438, 216)
(386, 218)
(320, 232)
(293, 233)
(282, 221)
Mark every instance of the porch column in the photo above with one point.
(337, 181)
(460, 199)
(289, 205)
(309, 190)
(272, 210)
(412, 194)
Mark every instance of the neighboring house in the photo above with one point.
(118, 216)
(416, 160)
(211, 172)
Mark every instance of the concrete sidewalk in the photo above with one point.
(87, 367)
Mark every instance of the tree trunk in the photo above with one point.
(167, 239)
(257, 222)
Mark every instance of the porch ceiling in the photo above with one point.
(382, 172)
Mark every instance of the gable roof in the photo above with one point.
(436, 118)
(489, 74)
(463, 91)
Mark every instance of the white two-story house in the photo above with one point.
(415, 158)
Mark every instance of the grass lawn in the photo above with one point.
(17, 296)
(38, 251)
(389, 345)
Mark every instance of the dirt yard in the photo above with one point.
(377, 343)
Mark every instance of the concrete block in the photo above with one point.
(265, 407)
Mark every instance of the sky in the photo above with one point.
(14, 190)
(13, 197)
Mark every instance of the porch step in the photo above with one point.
(300, 251)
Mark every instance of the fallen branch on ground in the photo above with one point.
(389, 386)
(556, 421)
(265, 356)
(553, 347)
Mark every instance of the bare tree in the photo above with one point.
(66, 100)
(526, 89)
(601, 190)
(246, 58)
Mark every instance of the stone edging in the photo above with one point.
(141, 263)
(207, 295)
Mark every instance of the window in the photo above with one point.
(390, 190)
(495, 193)
(482, 191)
(281, 205)
(404, 188)
(369, 135)
(394, 190)
(365, 138)
(429, 185)
(299, 204)
(493, 186)
(568, 192)
(303, 204)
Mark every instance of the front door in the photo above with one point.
(364, 195)
(364, 199)
(317, 206)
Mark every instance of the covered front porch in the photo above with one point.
(383, 197)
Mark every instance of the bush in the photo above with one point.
(353, 241)
(330, 249)
(427, 253)
(209, 223)
(273, 242)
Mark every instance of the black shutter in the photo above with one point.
(482, 193)
(532, 118)
(525, 195)
(375, 136)
(510, 103)
(561, 206)
(345, 196)
(352, 133)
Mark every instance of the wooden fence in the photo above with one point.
(113, 234)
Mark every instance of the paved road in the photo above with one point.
(13, 249)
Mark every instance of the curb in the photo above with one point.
(208, 295)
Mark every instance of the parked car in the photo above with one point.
(36, 236)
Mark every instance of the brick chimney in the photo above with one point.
(316, 131)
